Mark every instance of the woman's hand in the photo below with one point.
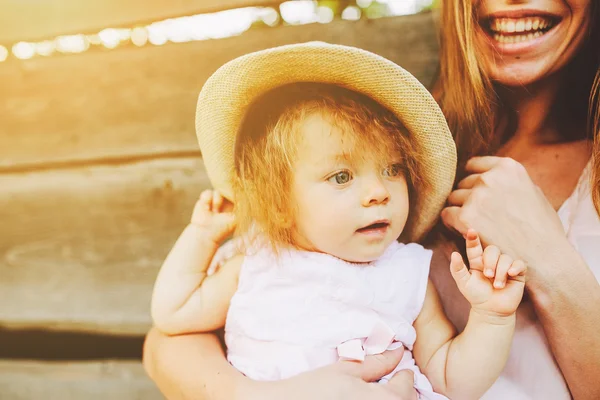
(345, 380)
(194, 367)
(506, 208)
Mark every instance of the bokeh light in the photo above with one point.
(156, 34)
(94, 39)
(176, 30)
(269, 16)
(110, 38)
(23, 50)
(299, 12)
(72, 44)
(396, 7)
(325, 15)
(139, 36)
(3, 53)
(213, 26)
(351, 13)
(45, 48)
(230, 23)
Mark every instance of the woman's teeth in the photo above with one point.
(510, 30)
(517, 38)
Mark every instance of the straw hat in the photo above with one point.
(233, 87)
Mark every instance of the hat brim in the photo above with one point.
(228, 93)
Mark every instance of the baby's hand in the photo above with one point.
(494, 283)
(213, 214)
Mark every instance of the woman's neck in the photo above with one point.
(533, 107)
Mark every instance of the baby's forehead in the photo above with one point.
(323, 137)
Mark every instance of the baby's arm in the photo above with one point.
(184, 299)
(465, 366)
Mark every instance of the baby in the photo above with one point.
(330, 155)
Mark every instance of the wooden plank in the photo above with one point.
(60, 345)
(100, 380)
(80, 248)
(38, 20)
(140, 101)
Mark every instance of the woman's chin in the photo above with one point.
(519, 74)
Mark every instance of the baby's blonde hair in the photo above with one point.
(265, 150)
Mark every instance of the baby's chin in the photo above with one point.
(352, 252)
(365, 257)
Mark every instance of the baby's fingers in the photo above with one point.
(206, 199)
(217, 201)
(459, 270)
(518, 270)
(474, 250)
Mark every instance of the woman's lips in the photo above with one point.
(518, 32)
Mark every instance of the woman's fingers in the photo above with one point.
(459, 197)
(373, 367)
(402, 384)
(451, 218)
(491, 255)
(504, 263)
(478, 165)
(469, 182)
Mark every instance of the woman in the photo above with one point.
(516, 82)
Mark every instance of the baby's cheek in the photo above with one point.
(402, 207)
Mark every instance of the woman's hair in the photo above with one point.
(473, 109)
(595, 131)
(265, 150)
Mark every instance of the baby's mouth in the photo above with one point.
(378, 226)
(518, 30)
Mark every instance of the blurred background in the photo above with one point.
(100, 168)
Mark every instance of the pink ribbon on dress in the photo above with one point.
(379, 340)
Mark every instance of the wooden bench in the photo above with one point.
(99, 170)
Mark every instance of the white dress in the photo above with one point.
(305, 310)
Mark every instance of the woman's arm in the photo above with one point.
(501, 202)
(194, 367)
(190, 367)
(566, 297)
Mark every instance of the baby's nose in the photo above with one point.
(375, 193)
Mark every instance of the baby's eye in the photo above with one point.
(394, 170)
(341, 178)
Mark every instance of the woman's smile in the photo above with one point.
(519, 31)
(527, 41)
